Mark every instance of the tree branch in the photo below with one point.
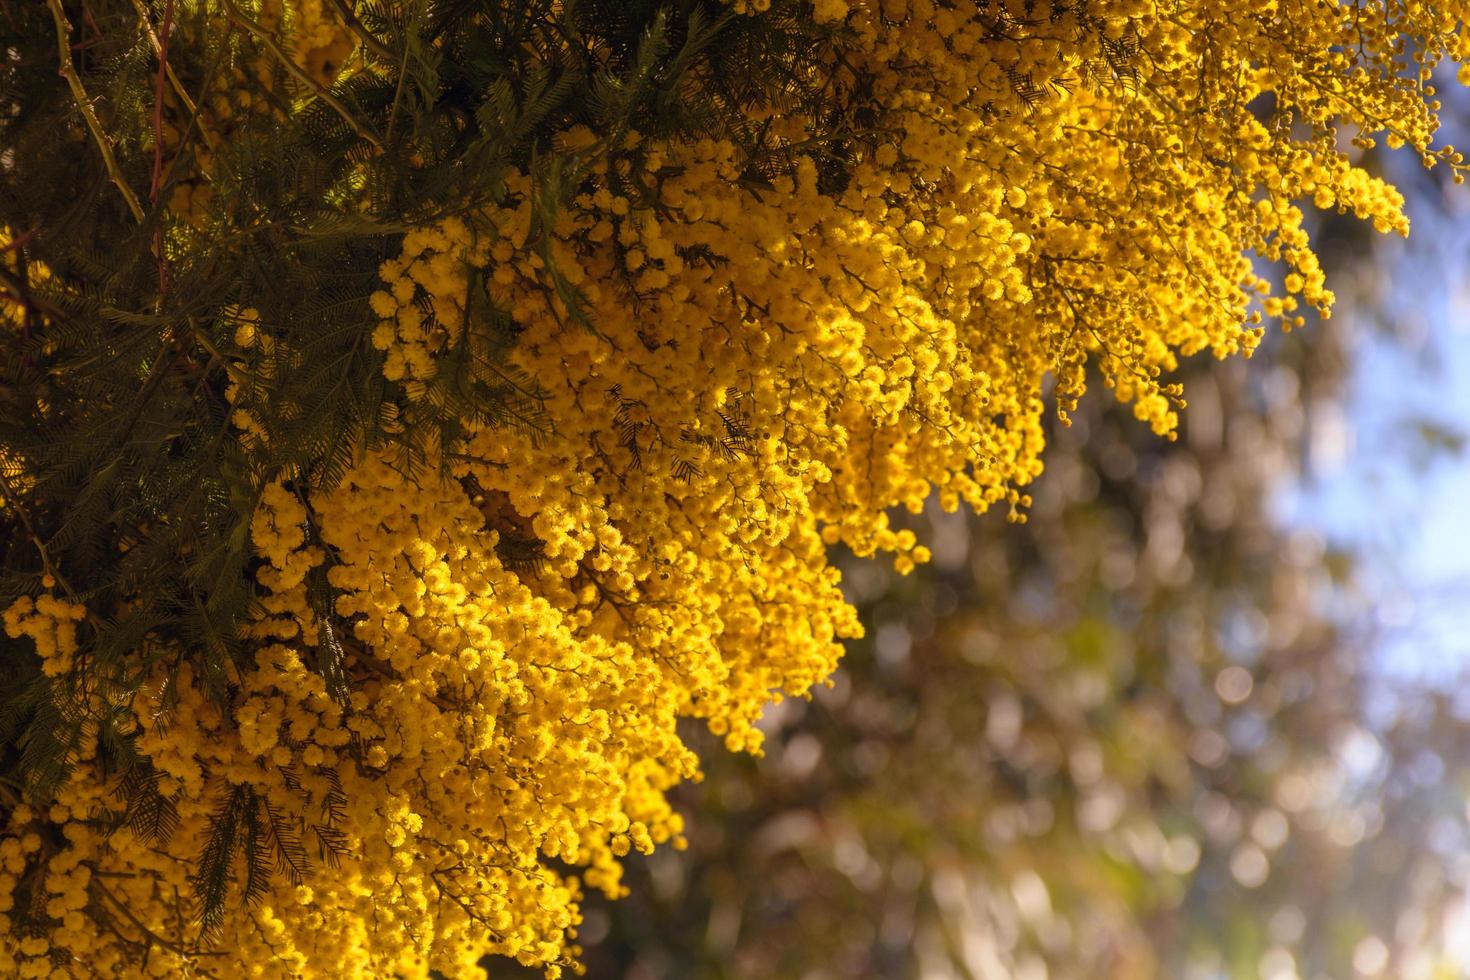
(79, 94)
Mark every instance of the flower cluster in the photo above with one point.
(433, 265)
(320, 42)
(51, 624)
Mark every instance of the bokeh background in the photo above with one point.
(1203, 716)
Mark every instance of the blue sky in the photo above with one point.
(1372, 483)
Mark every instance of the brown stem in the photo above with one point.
(79, 95)
(371, 43)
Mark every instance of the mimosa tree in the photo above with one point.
(413, 410)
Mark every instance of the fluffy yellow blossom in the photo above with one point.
(51, 624)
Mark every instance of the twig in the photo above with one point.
(13, 502)
(17, 241)
(18, 286)
(371, 43)
(149, 936)
(157, 181)
(387, 670)
(173, 77)
(402, 74)
(398, 92)
(79, 95)
(265, 38)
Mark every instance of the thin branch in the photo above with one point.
(173, 78)
(17, 241)
(387, 670)
(12, 501)
(79, 95)
(371, 43)
(24, 296)
(299, 73)
(157, 181)
(149, 936)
